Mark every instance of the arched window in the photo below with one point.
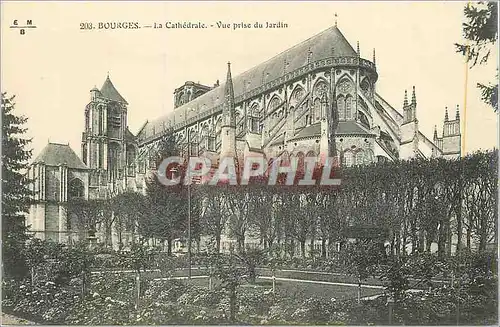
(114, 120)
(193, 143)
(316, 110)
(310, 154)
(218, 130)
(285, 159)
(254, 119)
(297, 95)
(101, 120)
(114, 150)
(300, 162)
(84, 153)
(360, 158)
(76, 189)
(273, 104)
(87, 126)
(340, 107)
(131, 160)
(101, 155)
(348, 159)
(348, 107)
(368, 157)
(366, 87)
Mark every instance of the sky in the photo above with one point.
(52, 68)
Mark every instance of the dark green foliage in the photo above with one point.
(167, 211)
(471, 300)
(131, 210)
(481, 31)
(15, 189)
(88, 213)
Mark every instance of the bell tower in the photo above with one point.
(103, 141)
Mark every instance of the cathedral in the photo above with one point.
(317, 96)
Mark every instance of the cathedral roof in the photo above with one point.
(55, 154)
(311, 130)
(351, 127)
(109, 91)
(330, 42)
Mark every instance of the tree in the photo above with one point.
(237, 201)
(481, 32)
(228, 271)
(361, 259)
(89, 214)
(130, 210)
(213, 216)
(168, 204)
(15, 188)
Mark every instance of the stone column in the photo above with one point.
(63, 226)
(105, 154)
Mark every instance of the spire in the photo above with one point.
(374, 60)
(413, 97)
(229, 98)
(457, 115)
(229, 91)
(405, 103)
(435, 132)
(335, 19)
(445, 113)
(357, 49)
(109, 91)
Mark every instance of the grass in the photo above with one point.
(303, 290)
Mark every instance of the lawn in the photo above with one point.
(303, 289)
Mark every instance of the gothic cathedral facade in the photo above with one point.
(314, 97)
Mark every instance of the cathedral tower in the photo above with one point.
(104, 145)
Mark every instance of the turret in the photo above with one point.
(409, 127)
(413, 97)
(228, 131)
(451, 140)
(94, 93)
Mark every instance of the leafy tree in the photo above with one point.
(361, 259)
(213, 216)
(130, 211)
(228, 271)
(251, 259)
(15, 188)
(89, 214)
(237, 201)
(77, 261)
(481, 32)
(168, 204)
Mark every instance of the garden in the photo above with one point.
(81, 286)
